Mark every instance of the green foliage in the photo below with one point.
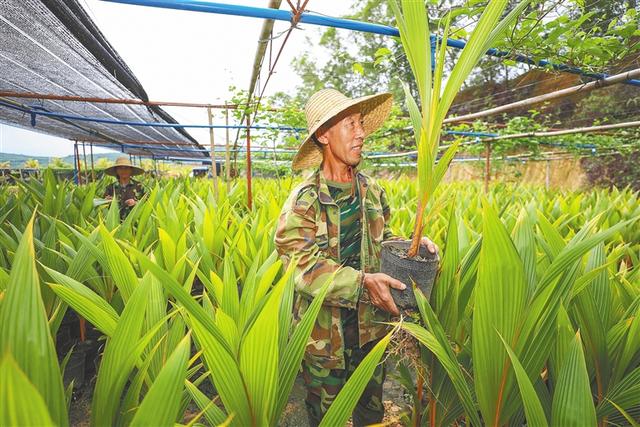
(187, 267)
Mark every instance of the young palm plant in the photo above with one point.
(428, 116)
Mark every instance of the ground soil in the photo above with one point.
(294, 414)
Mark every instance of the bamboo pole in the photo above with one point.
(565, 131)
(214, 168)
(93, 171)
(227, 155)
(547, 175)
(249, 197)
(487, 167)
(618, 78)
(75, 162)
(77, 154)
(84, 157)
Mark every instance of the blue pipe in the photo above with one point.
(349, 24)
(153, 148)
(34, 113)
(172, 125)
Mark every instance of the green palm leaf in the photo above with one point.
(162, 402)
(532, 406)
(24, 330)
(572, 400)
(20, 402)
(346, 401)
(119, 358)
(500, 300)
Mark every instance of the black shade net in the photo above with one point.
(53, 47)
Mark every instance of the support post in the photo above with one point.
(79, 170)
(547, 176)
(214, 168)
(84, 157)
(227, 153)
(487, 167)
(75, 163)
(249, 197)
(93, 170)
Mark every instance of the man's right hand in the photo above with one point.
(378, 285)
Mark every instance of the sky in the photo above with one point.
(188, 57)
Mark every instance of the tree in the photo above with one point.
(58, 163)
(31, 164)
(103, 163)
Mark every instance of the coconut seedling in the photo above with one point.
(404, 260)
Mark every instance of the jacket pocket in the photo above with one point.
(325, 345)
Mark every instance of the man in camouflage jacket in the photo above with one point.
(127, 191)
(311, 229)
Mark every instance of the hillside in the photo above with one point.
(611, 104)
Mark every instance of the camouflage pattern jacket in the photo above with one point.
(133, 190)
(309, 230)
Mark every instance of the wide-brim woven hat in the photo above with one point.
(123, 161)
(327, 104)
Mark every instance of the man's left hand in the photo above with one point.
(428, 243)
(130, 202)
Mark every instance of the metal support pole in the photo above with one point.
(79, 174)
(84, 157)
(227, 153)
(249, 197)
(487, 167)
(547, 177)
(93, 171)
(214, 168)
(75, 163)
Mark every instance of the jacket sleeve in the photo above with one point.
(108, 192)
(296, 239)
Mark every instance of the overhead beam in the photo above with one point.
(562, 93)
(31, 95)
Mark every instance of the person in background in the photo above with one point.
(127, 190)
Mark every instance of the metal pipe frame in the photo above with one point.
(176, 125)
(53, 97)
(34, 113)
(314, 19)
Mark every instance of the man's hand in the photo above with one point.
(130, 202)
(431, 247)
(378, 285)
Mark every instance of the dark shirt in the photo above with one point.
(347, 198)
(133, 190)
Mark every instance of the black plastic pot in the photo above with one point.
(422, 270)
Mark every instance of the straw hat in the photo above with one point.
(328, 103)
(123, 161)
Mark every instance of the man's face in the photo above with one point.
(123, 172)
(344, 139)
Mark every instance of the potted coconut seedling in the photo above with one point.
(408, 261)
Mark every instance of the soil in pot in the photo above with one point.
(421, 269)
